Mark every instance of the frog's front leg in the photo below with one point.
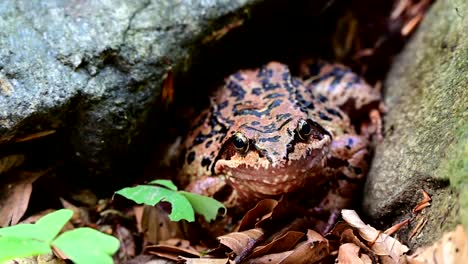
(348, 164)
(215, 187)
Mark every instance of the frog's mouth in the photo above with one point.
(264, 178)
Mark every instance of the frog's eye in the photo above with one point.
(304, 129)
(240, 142)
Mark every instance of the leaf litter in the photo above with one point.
(261, 235)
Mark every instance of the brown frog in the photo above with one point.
(268, 133)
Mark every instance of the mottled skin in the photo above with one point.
(267, 134)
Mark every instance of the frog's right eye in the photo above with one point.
(240, 142)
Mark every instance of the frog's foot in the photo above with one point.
(349, 154)
(373, 129)
(215, 187)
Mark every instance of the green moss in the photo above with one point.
(455, 168)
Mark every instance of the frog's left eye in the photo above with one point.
(240, 142)
(304, 129)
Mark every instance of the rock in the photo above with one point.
(426, 128)
(91, 69)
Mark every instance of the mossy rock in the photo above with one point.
(426, 128)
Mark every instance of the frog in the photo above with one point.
(267, 134)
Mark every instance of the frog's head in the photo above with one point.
(274, 163)
(273, 144)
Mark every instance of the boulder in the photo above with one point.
(426, 128)
(91, 70)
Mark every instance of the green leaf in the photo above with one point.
(151, 195)
(206, 206)
(86, 245)
(166, 183)
(45, 229)
(52, 223)
(19, 247)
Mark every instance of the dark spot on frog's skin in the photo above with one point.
(200, 138)
(322, 98)
(324, 117)
(238, 76)
(284, 123)
(223, 105)
(286, 76)
(357, 170)
(212, 153)
(236, 90)
(190, 157)
(334, 112)
(269, 73)
(311, 106)
(273, 95)
(350, 143)
(257, 91)
(280, 117)
(208, 143)
(295, 82)
(206, 162)
(270, 139)
(262, 72)
(255, 123)
(269, 128)
(290, 133)
(269, 86)
(257, 113)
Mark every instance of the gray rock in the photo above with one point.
(426, 128)
(93, 68)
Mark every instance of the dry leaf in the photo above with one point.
(14, 197)
(238, 242)
(452, 248)
(279, 244)
(35, 135)
(382, 244)
(173, 249)
(80, 214)
(349, 254)
(311, 251)
(206, 260)
(262, 210)
(157, 226)
(9, 162)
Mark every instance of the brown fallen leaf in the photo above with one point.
(205, 260)
(279, 244)
(349, 254)
(173, 249)
(381, 244)
(262, 210)
(348, 236)
(218, 34)
(80, 214)
(11, 161)
(35, 135)
(311, 251)
(157, 226)
(167, 92)
(240, 242)
(14, 197)
(452, 248)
